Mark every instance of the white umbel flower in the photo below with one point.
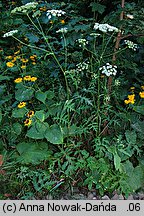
(82, 42)
(108, 69)
(62, 30)
(55, 13)
(10, 33)
(105, 28)
(131, 45)
(25, 8)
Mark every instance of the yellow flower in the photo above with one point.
(24, 60)
(14, 59)
(18, 80)
(42, 8)
(132, 89)
(141, 94)
(10, 64)
(27, 78)
(27, 122)
(9, 57)
(62, 21)
(33, 79)
(131, 97)
(34, 63)
(23, 66)
(17, 52)
(142, 87)
(126, 101)
(30, 114)
(21, 105)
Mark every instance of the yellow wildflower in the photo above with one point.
(9, 57)
(34, 63)
(62, 21)
(18, 80)
(142, 87)
(30, 114)
(141, 94)
(21, 105)
(126, 101)
(23, 66)
(17, 52)
(10, 64)
(14, 59)
(27, 122)
(27, 78)
(131, 99)
(24, 60)
(33, 79)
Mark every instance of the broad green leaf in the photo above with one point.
(41, 96)
(139, 109)
(97, 7)
(37, 131)
(16, 128)
(54, 134)
(32, 152)
(40, 115)
(136, 178)
(24, 94)
(19, 113)
(131, 137)
(117, 161)
(32, 38)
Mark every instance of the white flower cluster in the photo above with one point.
(25, 8)
(108, 69)
(10, 33)
(62, 30)
(55, 13)
(105, 27)
(82, 42)
(82, 66)
(131, 44)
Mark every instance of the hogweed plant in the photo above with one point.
(69, 107)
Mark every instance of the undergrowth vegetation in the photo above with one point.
(71, 97)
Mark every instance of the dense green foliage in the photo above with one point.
(64, 120)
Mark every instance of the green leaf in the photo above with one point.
(24, 94)
(41, 96)
(117, 161)
(97, 7)
(40, 115)
(131, 137)
(32, 38)
(19, 113)
(4, 77)
(139, 109)
(0, 115)
(136, 178)
(37, 131)
(16, 128)
(54, 134)
(32, 152)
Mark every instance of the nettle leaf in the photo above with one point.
(37, 131)
(19, 113)
(24, 94)
(54, 134)
(41, 96)
(40, 115)
(32, 152)
(97, 7)
(131, 137)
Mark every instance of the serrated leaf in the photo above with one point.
(54, 134)
(41, 96)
